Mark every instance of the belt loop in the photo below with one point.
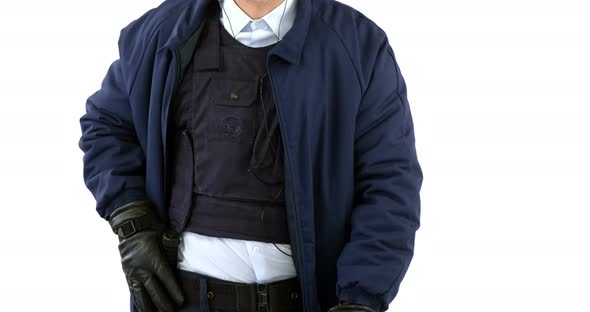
(238, 301)
(204, 301)
(262, 298)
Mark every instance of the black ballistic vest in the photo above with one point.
(225, 144)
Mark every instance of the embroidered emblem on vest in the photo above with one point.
(231, 126)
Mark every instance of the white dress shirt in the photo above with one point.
(231, 259)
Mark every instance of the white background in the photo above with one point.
(499, 92)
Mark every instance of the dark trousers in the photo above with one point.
(197, 295)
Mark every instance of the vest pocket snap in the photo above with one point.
(231, 91)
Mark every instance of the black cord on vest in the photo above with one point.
(277, 247)
(231, 28)
(275, 149)
(280, 22)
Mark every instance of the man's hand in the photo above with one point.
(350, 307)
(147, 271)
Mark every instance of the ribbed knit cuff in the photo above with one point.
(123, 198)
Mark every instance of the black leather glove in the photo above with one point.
(350, 307)
(148, 273)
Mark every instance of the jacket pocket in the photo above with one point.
(182, 180)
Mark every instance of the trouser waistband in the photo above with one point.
(205, 293)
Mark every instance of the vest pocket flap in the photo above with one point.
(234, 91)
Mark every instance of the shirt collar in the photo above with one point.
(239, 19)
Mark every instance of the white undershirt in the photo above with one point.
(231, 259)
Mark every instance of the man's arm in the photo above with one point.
(114, 162)
(114, 171)
(388, 179)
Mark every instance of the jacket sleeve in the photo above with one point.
(388, 179)
(114, 161)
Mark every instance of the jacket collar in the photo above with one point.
(291, 45)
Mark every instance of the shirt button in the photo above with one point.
(258, 24)
(256, 249)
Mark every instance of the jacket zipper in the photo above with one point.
(297, 250)
(172, 99)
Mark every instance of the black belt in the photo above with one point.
(279, 296)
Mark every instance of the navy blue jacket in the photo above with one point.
(352, 174)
